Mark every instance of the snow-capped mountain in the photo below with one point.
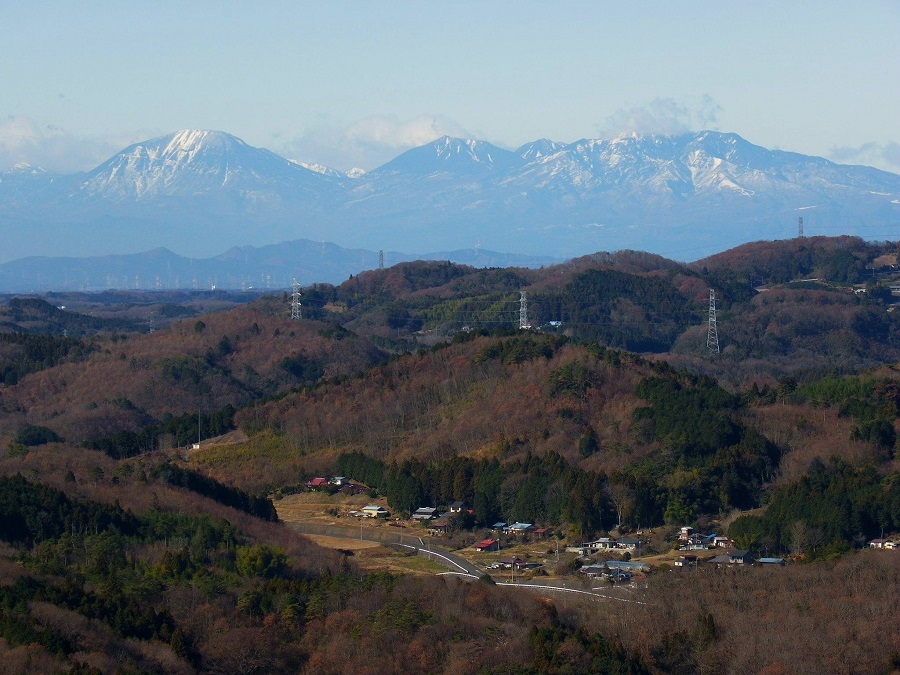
(682, 196)
(448, 157)
(190, 163)
(540, 148)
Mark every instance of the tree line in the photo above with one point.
(182, 429)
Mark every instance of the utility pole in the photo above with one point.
(712, 334)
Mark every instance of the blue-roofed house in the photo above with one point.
(520, 528)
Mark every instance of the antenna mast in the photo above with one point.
(296, 312)
(712, 335)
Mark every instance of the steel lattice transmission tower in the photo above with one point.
(712, 335)
(800, 228)
(381, 260)
(296, 307)
(523, 311)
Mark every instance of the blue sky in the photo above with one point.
(356, 83)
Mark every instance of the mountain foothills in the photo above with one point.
(606, 414)
(199, 192)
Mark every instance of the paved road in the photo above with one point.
(389, 537)
(454, 563)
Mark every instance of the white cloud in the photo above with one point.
(23, 140)
(885, 156)
(662, 116)
(370, 142)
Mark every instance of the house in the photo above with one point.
(628, 565)
(542, 532)
(425, 513)
(694, 542)
(877, 543)
(685, 561)
(685, 533)
(771, 561)
(720, 541)
(487, 545)
(374, 511)
(498, 526)
(439, 526)
(592, 547)
(317, 483)
(520, 528)
(340, 481)
(628, 544)
(511, 563)
(457, 507)
(740, 558)
(593, 570)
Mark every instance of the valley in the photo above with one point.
(182, 474)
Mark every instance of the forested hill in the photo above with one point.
(120, 549)
(836, 259)
(87, 387)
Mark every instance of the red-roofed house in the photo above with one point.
(317, 482)
(488, 545)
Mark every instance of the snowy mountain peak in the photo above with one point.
(23, 168)
(192, 140)
(195, 187)
(539, 148)
(189, 162)
(317, 168)
(449, 155)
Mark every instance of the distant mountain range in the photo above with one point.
(244, 267)
(199, 192)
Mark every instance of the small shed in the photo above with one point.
(685, 561)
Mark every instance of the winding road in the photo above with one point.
(442, 556)
(454, 563)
